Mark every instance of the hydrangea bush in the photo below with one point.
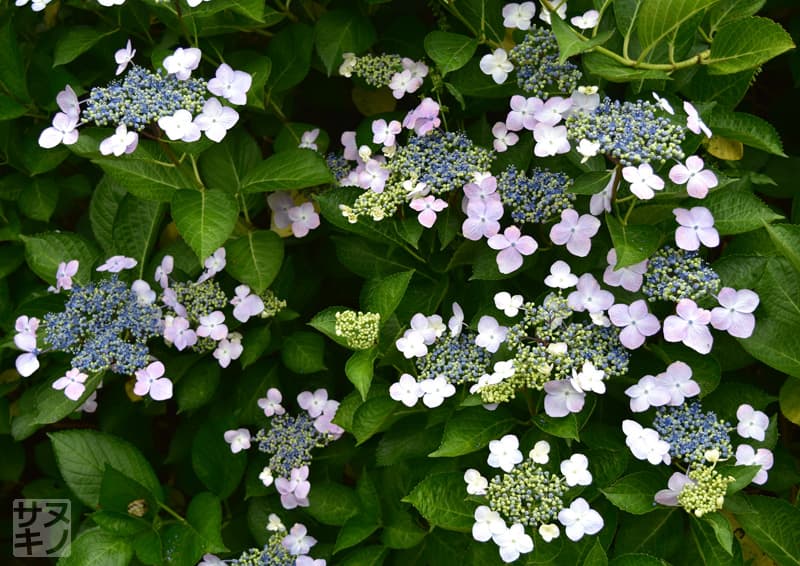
(454, 282)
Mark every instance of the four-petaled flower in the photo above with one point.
(693, 120)
(576, 470)
(435, 391)
(643, 181)
(512, 245)
(294, 490)
(490, 333)
(561, 277)
(497, 65)
(271, 404)
(182, 62)
(648, 392)
(645, 444)
(72, 383)
(677, 381)
(123, 57)
(303, 219)
(629, 278)
(588, 296)
(179, 126)
(213, 326)
(503, 137)
(117, 263)
(636, 322)
(504, 453)
(698, 181)
(314, 402)
(121, 142)
(151, 380)
(476, 483)
(746, 455)
(63, 130)
(575, 231)
(427, 207)
(384, 133)
(579, 519)
(509, 304)
(696, 227)
(562, 398)
(215, 120)
(752, 423)
(239, 439)
(512, 542)
(482, 219)
(518, 16)
(298, 541)
(550, 140)
(735, 313)
(230, 85)
(689, 326)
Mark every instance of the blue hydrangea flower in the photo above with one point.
(674, 274)
(457, 358)
(537, 65)
(289, 442)
(536, 198)
(691, 432)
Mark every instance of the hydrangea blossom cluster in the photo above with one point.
(674, 274)
(691, 432)
(359, 329)
(534, 198)
(401, 74)
(538, 68)
(290, 440)
(529, 498)
(281, 549)
(631, 133)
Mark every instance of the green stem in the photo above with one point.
(172, 512)
(628, 214)
(196, 173)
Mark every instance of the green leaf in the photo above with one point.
(786, 238)
(708, 546)
(471, 429)
(746, 44)
(625, 13)
(773, 525)
(290, 52)
(96, 547)
(440, 499)
(103, 208)
(359, 369)
(450, 51)
(729, 10)
(737, 211)
(325, 322)
(212, 461)
(341, 31)
(10, 108)
(76, 41)
(304, 352)
(287, 170)
(259, 67)
(205, 515)
(637, 559)
(661, 19)
(44, 252)
(204, 219)
(634, 493)
(562, 427)
(224, 165)
(591, 183)
(746, 128)
(406, 439)
(332, 503)
(365, 556)
(372, 416)
(181, 546)
(790, 400)
(400, 530)
(198, 385)
(612, 70)
(136, 228)
(83, 455)
(12, 69)
(723, 532)
(383, 295)
(145, 173)
(471, 81)
(634, 242)
(571, 42)
(355, 530)
(775, 340)
(38, 200)
(596, 555)
(255, 259)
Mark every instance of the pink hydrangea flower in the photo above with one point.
(648, 392)
(553, 110)
(182, 62)
(483, 188)
(151, 380)
(294, 490)
(696, 227)
(675, 485)
(304, 219)
(482, 219)
(645, 444)
(575, 231)
(427, 207)
(512, 245)
(643, 181)
(280, 202)
(66, 271)
(698, 181)
(271, 404)
(423, 118)
(752, 423)
(72, 383)
(689, 326)
(384, 133)
(562, 398)
(407, 390)
(239, 439)
(734, 315)
(588, 296)
(522, 113)
(490, 333)
(747, 456)
(177, 331)
(117, 263)
(693, 120)
(228, 349)
(629, 278)
(63, 130)
(297, 541)
(230, 84)
(314, 403)
(503, 137)
(213, 326)
(373, 176)
(163, 271)
(677, 381)
(636, 322)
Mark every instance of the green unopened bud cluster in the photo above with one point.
(377, 70)
(527, 494)
(674, 274)
(274, 553)
(200, 299)
(359, 329)
(272, 304)
(707, 494)
(375, 205)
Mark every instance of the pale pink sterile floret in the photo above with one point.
(298, 541)
(648, 392)
(522, 113)
(562, 398)
(177, 331)
(553, 110)
(72, 384)
(588, 296)
(575, 231)
(698, 180)
(690, 326)
(423, 118)
(314, 402)
(746, 455)
(518, 16)
(696, 227)
(550, 140)
(230, 84)
(303, 218)
(752, 423)
(271, 404)
(629, 278)
(693, 120)
(503, 137)
(677, 381)
(669, 497)
(512, 245)
(482, 219)
(490, 333)
(735, 313)
(151, 380)
(384, 133)
(427, 207)
(636, 321)
(644, 182)
(62, 130)
(213, 326)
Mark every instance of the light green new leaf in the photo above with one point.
(359, 369)
(255, 259)
(450, 51)
(82, 457)
(205, 219)
(610, 69)
(660, 20)
(790, 399)
(441, 500)
(746, 44)
(75, 42)
(737, 211)
(287, 170)
(341, 31)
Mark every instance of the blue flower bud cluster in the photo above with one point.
(273, 554)
(289, 442)
(691, 432)
(527, 494)
(629, 132)
(141, 98)
(105, 327)
(457, 358)
(445, 161)
(538, 69)
(338, 165)
(535, 199)
(674, 274)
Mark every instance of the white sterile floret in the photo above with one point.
(179, 126)
(509, 304)
(456, 322)
(752, 423)
(576, 470)
(589, 379)
(435, 391)
(407, 390)
(518, 16)
(645, 444)
(549, 532)
(579, 519)
(183, 62)
(487, 524)
(412, 344)
(504, 369)
(587, 149)
(513, 542)
(490, 334)
(557, 348)
(266, 476)
(504, 453)
(540, 453)
(497, 65)
(476, 483)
